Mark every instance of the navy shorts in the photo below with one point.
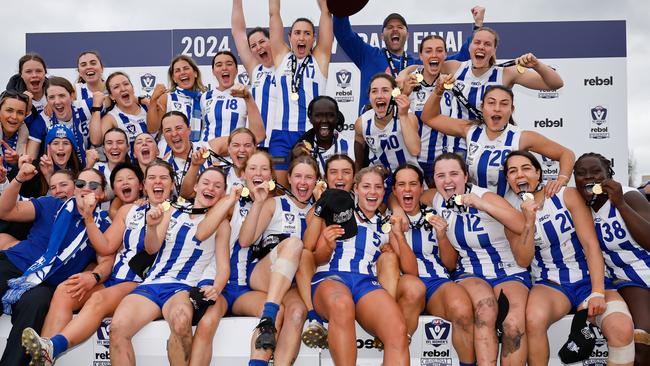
(280, 147)
(359, 284)
(576, 292)
(521, 277)
(232, 292)
(160, 293)
(433, 284)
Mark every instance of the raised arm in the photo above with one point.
(192, 174)
(257, 220)
(531, 140)
(409, 125)
(498, 208)
(157, 107)
(222, 255)
(10, 208)
(323, 50)
(255, 122)
(107, 243)
(349, 40)
(543, 78)
(217, 214)
(523, 246)
(276, 31)
(359, 144)
(634, 209)
(238, 27)
(157, 223)
(431, 115)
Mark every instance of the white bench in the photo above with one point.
(431, 345)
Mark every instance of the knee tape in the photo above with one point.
(284, 267)
(616, 306)
(620, 355)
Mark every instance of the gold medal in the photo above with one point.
(206, 154)
(386, 228)
(396, 92)
(245, 192)
(294, 97)
(428, 216)
(308, 145)
(271, 185)
(180, 200)
(458, 200)
(448, 86)
(419, 77)
(166, 206)
(528, 196)
(597, 189)
(521, 69)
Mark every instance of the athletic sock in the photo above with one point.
(270, 310)
(257, 363)
(468, 364)
(312, 315)
(59, 345)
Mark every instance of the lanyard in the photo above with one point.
(296, 75)
(389, 58)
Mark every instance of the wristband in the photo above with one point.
(18, 180)
(591, 296)
(95, 109)
(98, 278)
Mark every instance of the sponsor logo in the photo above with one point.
(342, 217)
(550, 168)
(102, 356)
(366, 343)
(548, 94)
(544, 218)
(343, 81)
(435, 353)
(549, 123)
(147, 82)
(599, 126)
(421, 95)
(600, 353)
(243, 78)
(597, 81)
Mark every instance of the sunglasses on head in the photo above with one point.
(80, 183)
(14, 94)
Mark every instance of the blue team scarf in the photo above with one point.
(196, 108)
(57, 254)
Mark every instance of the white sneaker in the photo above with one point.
(40, 349)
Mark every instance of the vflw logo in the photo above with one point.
(147, 82)
(599, 126)
(243, 78)
(343, 78)
(437, 332)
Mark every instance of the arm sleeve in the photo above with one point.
(352, 44)
(463, 53)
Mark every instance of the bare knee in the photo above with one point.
(296, 313)
(412, 291)
(513, 332)
(341, 309)
(486, 312)
(459, 311)
(292, 245)
(536, 319)
(180, 321)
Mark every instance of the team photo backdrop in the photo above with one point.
(588, 114)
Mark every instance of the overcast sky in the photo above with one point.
(104, 15)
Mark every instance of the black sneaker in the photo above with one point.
(266, 336)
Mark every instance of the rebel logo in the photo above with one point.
(597, 81)
(547, 123)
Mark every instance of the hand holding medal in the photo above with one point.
(526, 61)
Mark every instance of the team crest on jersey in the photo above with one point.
(208, 103)
(289, 218)
(473, 148)
(343, 78)
(130, 129)
(178, 106)
(243, 78)
(147, 82)
(446, 214)
(243, 212)
(138, 215)
(421, 95)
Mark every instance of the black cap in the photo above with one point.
(336, 206)
(581, 340)
(394, 16)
